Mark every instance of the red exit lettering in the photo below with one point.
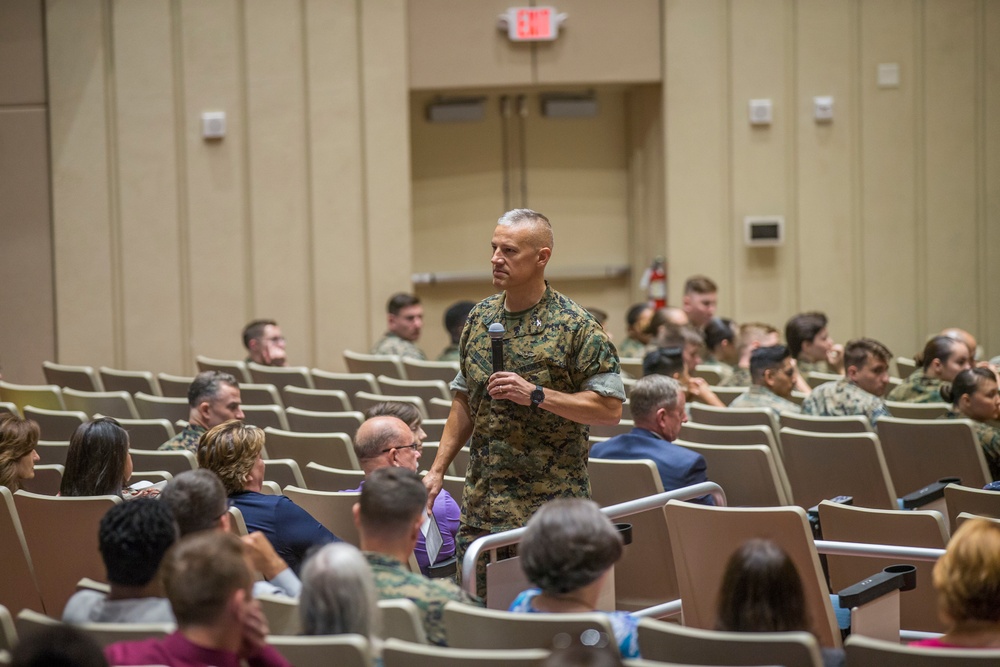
(534, 23)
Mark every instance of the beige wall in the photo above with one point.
(166, 244)
(27, 331)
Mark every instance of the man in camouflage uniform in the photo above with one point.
(860, 391)
(752, 335)
(388, 516)
(773, 375)
(405, 317)
(528, 424)
(214, 398)
(637, 337)
(454, 322)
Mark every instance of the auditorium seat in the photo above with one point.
(868, 652)
(235, 367)
(434, 428)
(117, 404)
(8, 633)
(632, 366)
(131, 381)
(174, 386)
(333, 509)
(917, 410)
(323, 650)
(307, 421)
(472, 627)
(611, 430)
(281, 612)
(333, 450)
(376, 364)
(749, 474)
(82, 378)
(728, 394)
(260, 394)
(52, 451)
(905, 367)
(668, 641)
(820, 424)
(56, 424)
(281, 376)
(316, 400)
(349, 383)
(709, 373)
(427, 456)
(18, 588)
(815, 379)
(174, 461)
(401, 619)
(8, 408)
(921, 451)
(438, 408)
(47, 479)
(425, 389)
(284, 472)
(709, 414)
(417, 369)
(265, 416)
(171, 408)
(397, 653)
(324, 478)
(47, 396)
(971, 500)
(147, 433)
(708, 434)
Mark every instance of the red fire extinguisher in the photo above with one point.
(654, 281)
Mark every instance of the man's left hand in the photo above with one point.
(510, 387)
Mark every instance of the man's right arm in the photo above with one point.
(457, 431)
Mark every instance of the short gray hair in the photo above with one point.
(197, 498)
(525, 216)
(651, 393)
(568, 544)
(206, 386)
(338, 594)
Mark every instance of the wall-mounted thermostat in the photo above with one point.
(760, 112)
(213, 124)
(768, 230)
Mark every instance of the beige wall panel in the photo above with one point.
(989, 178)
(147, 174)
(214, 261)
(278, 163)
(456, 43)
(436, 299)
(826, 214)
(648, 233)
(27, 327)
(387, 153)
(602, 42)
(340, 309)
(86, 292)
(762, 157)
(889, 153)
(697, 135)
(950, 187)
(22, 52)
(457, 188)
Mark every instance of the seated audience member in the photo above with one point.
(18, 440)
(700, 300)
(385, 441)
(669, 361)
(973, 395)
(57, 646)
(207, 581)
(773, 375)
(942, 359)
(232, 451)
(670, 316)
(720, 341)
(198, 501)
(967, 580)
(762, 591)
(388, 515)
(970, 341)
(688, 338)
(214, 397)
(339, 594)
(133, 539)
(752, 335)
(809, 340)
(405, 317)
(454, 322)
(265, 343)
(567, 553)
(860, 391)
(98, 462)
(657, 404)
(636, 337)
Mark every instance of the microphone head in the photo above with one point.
(497, 331)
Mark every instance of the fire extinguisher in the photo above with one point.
(654, 281)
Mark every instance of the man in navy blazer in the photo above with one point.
(657, 404)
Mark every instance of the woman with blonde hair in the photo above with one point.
(18, 439)
(232, 450)
(967, 579)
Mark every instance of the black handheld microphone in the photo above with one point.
(496, 337)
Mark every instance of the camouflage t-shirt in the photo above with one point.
(918, 388)
(762, 397)
(739, 378)
(522, 456)
(843, 398)
(821, 366)
(632, 349)
(394, 581)
(186, 439)
(390, 343)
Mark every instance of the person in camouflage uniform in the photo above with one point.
(454, 322)
(637, 322)
(860, 391)
(942, 359)
(214, 398)
(405, 318)
(812, 348)
(752, 335)
(773, 375)
(528, 424)
(974, 396)
(388, 515)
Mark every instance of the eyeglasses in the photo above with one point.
(416, 446)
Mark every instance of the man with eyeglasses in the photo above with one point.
(772, 374)
(265, 343)
(387, 442)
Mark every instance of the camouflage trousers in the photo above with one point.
(467, 535)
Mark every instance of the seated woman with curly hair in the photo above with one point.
(232, 450)
(567, 552)
(18, 439)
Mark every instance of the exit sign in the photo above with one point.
(532, 24)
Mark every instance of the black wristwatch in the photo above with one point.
(537, 396)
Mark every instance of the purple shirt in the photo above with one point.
(447, 513)
(176, 651)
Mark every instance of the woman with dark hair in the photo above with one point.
(942, 359)
(567, 552)
(18, 439)
(762, 592)
(720, 341)
(98, 462)
(973, 395)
